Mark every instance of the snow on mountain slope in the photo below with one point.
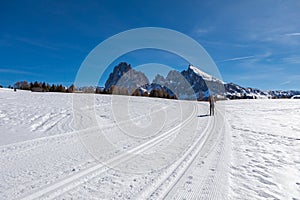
(234, 91)
(201, 73)
(163, 149)
(202, 83)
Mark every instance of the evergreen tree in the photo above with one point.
(36, 84)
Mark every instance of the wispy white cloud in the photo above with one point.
(237, 58)
(277, 29)
(285, 82)
(292, 60)
(14, 71)
(36, 43)
(202, 31)
(11, 39)
(255, 57)
(223, 44)
(292, 34)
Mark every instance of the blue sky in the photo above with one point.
(254, 43)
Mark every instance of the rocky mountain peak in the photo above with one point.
(159, 79)
(124, 76)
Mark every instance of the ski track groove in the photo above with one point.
(53, 190)
(189, 166)
(209, 187)
(43, 121)
(168, 180)
(37, 142)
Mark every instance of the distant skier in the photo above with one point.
(211, 100)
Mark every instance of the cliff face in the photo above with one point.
(202, 83)
(123, 76)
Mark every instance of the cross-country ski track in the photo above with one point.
(150, 165)
(174, 172)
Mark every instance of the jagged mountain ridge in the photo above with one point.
(191, 83)
(234, 91)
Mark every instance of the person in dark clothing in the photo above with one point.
(211, 100)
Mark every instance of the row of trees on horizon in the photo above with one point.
(46, 87)
(41, 87)
(160, 93)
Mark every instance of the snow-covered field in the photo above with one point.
(85, 146)
(266, 149)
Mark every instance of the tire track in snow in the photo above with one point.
(60, 187)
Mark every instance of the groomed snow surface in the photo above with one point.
(84, 146)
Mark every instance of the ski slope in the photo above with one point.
(84, 146)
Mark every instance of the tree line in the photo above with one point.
(160, 93)
(41, 87)
(115, 90)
